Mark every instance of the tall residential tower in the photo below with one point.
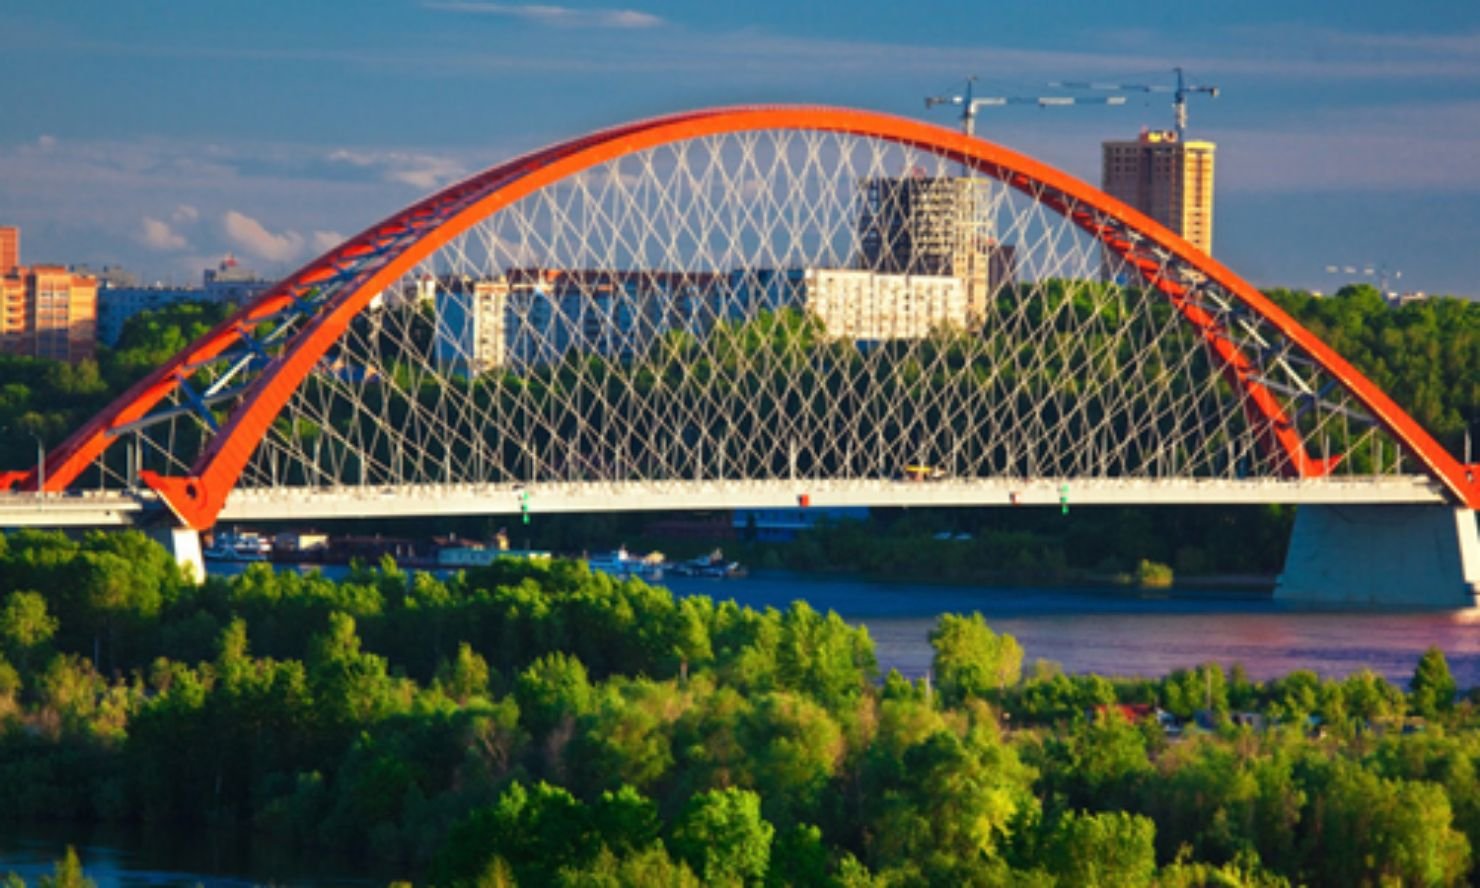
(1166, 178)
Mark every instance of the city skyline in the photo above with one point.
(1346, 132)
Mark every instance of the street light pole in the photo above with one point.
(40, 465)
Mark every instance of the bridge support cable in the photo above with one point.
(775, 295)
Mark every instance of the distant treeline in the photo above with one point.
(542, 724)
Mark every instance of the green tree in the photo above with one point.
(1369, 830)
(24, 622)
(465, 677)
(1114, 849)
(10, 687)
(67, 873)
(1432, 690)
(350, 686)
(552, 690)
(649, 866)
(535, 830)
(25, 628)
(971, 660)
(721, 834)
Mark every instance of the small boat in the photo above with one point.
(238, 547)
(712, 565)
(621, 563)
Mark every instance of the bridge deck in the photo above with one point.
(307, 504)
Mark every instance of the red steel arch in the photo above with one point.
(380, 255)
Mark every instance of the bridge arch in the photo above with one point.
(330, 292)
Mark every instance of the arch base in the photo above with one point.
(1386, 555)
(184, 545)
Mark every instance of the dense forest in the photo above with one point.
(541, 724)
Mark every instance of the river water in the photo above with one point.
(1126, 632)
(1106, 631)
(1118, 631)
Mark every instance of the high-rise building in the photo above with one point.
(46, 311)
(1167, 179)
(10, 248)
(934, 226)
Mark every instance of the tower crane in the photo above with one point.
(1180, 92)
(971, 104)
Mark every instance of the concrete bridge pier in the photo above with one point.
(1387, 555)
(184, 544)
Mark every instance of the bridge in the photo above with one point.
(772, 306)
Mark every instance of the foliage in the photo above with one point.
(541, 724)
(723, 838)
(971, 660)
(1432, 686)
(1153, 574)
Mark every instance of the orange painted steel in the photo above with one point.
(433, 222)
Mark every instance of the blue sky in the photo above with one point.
(160, 134)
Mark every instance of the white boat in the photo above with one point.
(238, 547)
(712, 565)
(621, 563)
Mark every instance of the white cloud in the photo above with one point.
(46, 143)
(252, 237)
(422, 171)
(324, 241)
(184, 213)
(353, 158)
(557, 16)
(426, 172)
(160, 236)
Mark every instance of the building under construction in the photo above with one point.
(933, 225)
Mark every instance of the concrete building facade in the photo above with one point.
(46, 311)
(10, 248)
(935, 226)
(865, 306)
(472, 324)
(532, 317)
(1167, 179)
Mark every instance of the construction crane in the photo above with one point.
(1180, 92)
(970, 104)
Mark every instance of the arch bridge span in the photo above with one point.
(741, 304)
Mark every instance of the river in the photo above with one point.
(1125, 632)
(1117, 631)
(1106, 631)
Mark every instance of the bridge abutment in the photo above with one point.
(1389, 555)
(184, 545)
